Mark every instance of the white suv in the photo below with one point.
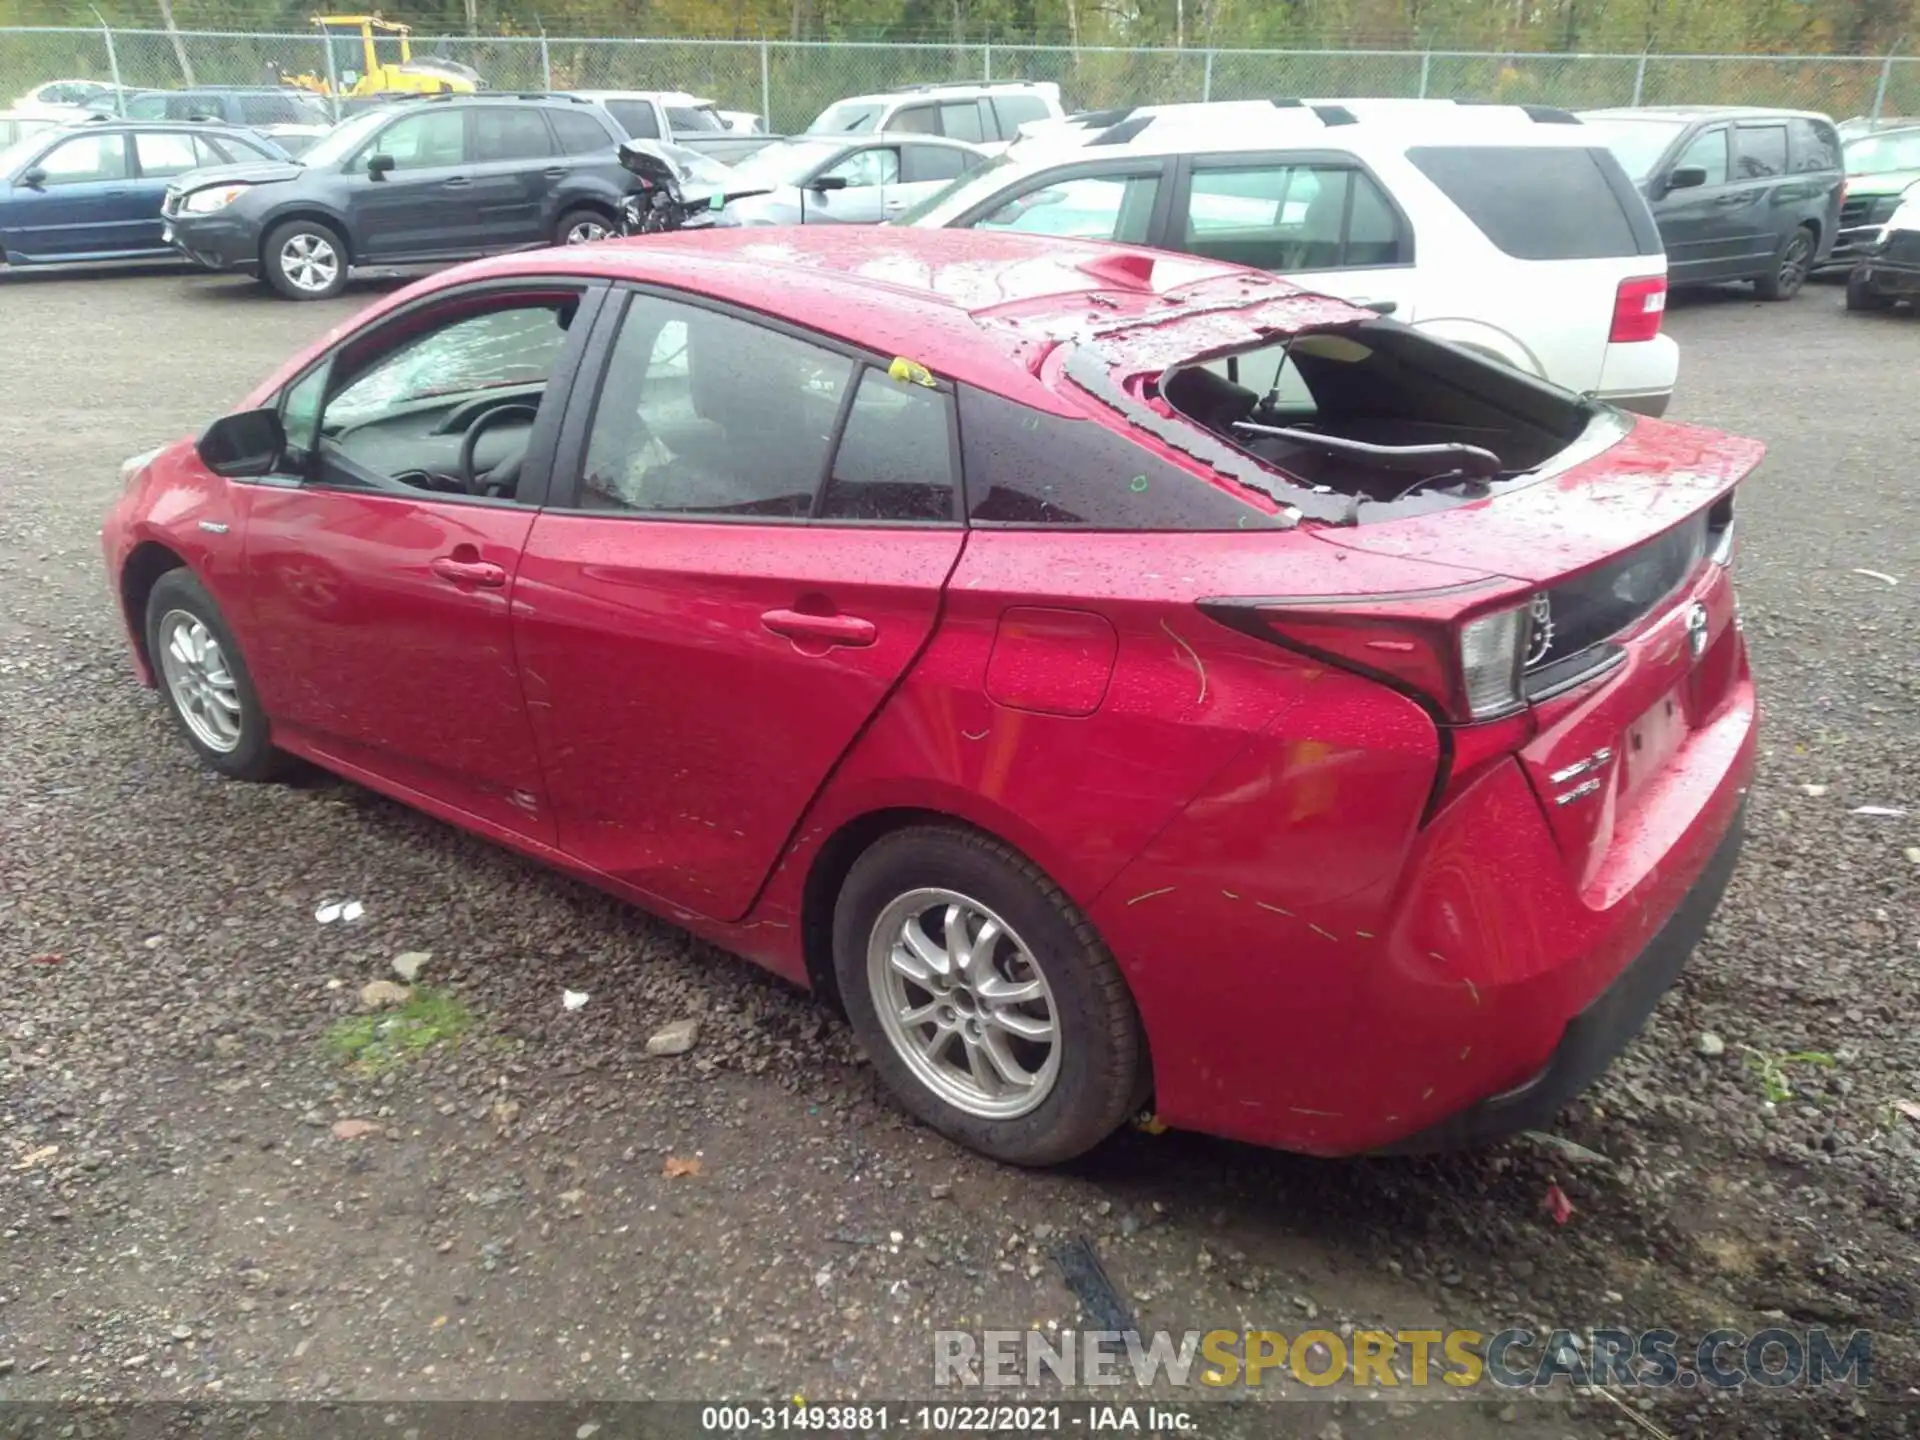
(1505, 229)
(988, 114)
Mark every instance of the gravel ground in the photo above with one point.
(182, 1218)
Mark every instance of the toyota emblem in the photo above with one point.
(1697, 629)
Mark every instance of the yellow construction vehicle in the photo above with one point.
(381, 76)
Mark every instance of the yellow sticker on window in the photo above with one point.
(910, 372)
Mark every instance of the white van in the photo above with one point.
(1505, 229)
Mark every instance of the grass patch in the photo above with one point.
(370, 1044)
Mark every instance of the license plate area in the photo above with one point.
(1651, 741)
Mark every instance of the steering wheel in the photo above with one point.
(507, 470)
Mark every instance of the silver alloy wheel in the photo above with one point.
(1797, 260)
(587, 231)
(309, 261)
(964, 1003)
(200, 680)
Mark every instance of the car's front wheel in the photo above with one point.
(305, 260)
(583, 227)
(205, 681)
(984, 998)
(1790, 267)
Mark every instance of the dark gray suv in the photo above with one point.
(433, 179)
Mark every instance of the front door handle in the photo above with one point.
(821, 629)
(456, 181)
(470, 572)
(1379, 307)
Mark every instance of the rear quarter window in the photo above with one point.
(1816, 146)
(1027, 469)
(1536, 202)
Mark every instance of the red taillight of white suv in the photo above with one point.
(1638, 307)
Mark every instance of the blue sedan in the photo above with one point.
(92, 190)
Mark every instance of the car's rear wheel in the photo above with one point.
(1790, 267)
(582, 227)
(984, 998)
(305, 260)
(1862, 296)
(205, 681)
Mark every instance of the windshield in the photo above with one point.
(787, 163)
(847, 117)
(958, 193)
(337, 144)
(1636, 144)
(1882, 154)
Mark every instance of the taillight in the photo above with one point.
(1464, 669)
(1638, 307)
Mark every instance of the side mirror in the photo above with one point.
(249, 443)
(1687, 177)
(379, 166)
(34, 178)
(826, 183)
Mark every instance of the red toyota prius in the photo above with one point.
(1121, 679)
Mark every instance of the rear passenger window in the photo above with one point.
(704, 414)
(960, 120)
(502, 133)
(1290, 217)
(1029, 469)
(1815, 146)
(1013, 111)
(162, 154)
(921, 163)
(916, 120)
(1760, 151)
(636, 117)
(895, 460)
(1709, 152)
(1538, 202)
(579, 132)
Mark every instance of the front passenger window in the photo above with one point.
(1086, 207)
(422, 142)
(1709, 152)
(448, 409)
(873, 166)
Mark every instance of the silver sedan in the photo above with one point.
(851, 180)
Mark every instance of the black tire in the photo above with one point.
(326, 278)
(1862, 296)
(581, 219)
(1103, 1073)
(252, 755)
(1790, 267)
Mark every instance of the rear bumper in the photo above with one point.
(1640, 376)
(215, 242)
(1598, 1033)
(1652, 403)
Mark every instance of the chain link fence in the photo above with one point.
(791, 82)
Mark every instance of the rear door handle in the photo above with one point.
(456, 181)
(1379, 307)
(555, 172)
(821, 629)
(470, 572)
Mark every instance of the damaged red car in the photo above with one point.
(1121, 680)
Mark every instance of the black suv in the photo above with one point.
(1738, 193)
(425, 180)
